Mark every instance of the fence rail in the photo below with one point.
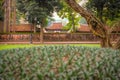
(53, 37)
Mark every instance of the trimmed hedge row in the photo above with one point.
(60, 63)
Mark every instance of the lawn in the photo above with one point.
(11, 46)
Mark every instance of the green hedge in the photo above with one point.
(60, 63)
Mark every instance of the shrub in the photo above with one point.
(60, 63)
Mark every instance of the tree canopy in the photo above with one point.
(105, 10)
(1, 11)
(37, 10)
(71, 15)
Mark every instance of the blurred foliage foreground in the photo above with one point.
(60, 63)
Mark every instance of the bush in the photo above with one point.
(60, 63)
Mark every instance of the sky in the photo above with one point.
(83, 2)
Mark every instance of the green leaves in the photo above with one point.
(71, 15)
(105, 10)
(36, 10)
(1, 10)
(59, 63)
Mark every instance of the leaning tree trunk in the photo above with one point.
(96, 26)
(117, 45)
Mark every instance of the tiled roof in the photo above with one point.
(58, 26)
(55, 26)
(23, 27)
(83, 28)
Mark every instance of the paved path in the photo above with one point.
(68, 42)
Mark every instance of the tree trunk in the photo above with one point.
(73, 28)
(106, 40)
(73, 23)
(117, 45)
(41, 35)
(41, 30)
(96, 26)
(34, 25)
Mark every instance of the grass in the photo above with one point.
(11, 46)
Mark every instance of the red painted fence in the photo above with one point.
(53, 37)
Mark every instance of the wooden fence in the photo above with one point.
(53, 37)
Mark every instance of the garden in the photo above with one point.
(60, 62)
